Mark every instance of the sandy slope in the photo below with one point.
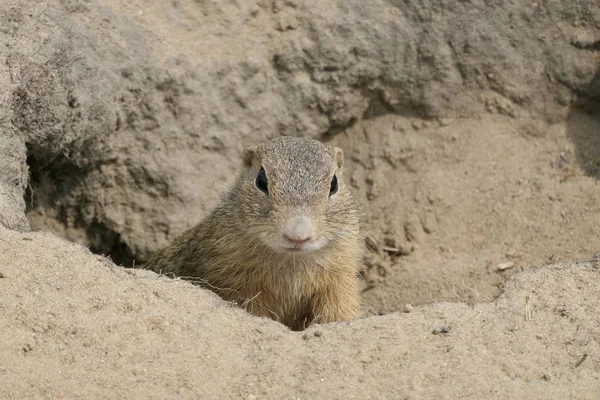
(73, 325)
(465, 197)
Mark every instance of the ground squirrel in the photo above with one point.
(284, 243)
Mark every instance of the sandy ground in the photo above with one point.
(74, 325)
(471, 136)
(468, 203)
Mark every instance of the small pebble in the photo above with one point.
(445, 121)
(547, 377)
(505, 265)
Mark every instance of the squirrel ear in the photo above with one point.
(339, 157)
(249, 154)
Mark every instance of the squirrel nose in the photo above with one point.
(298, 230)
(296, 239)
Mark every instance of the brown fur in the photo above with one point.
(228, 251)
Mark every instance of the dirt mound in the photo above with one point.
(74, 325)
(471, 135)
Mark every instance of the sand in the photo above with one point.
(471, 135)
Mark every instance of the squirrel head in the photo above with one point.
(294, 198)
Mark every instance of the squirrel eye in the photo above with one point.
(334, 186)
(261, 181)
